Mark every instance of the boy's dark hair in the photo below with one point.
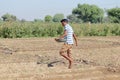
(64, 20)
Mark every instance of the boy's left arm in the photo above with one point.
(64, 34)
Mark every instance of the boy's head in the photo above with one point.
(64, 22)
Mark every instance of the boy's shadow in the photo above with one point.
(53, 63)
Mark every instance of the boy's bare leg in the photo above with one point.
(65, 56)
(70, 56)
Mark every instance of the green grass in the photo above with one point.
(41, 29)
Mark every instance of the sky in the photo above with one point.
(38, 9)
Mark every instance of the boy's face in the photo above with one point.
(63, 23)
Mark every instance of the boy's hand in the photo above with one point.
(56, 39)
(60, 40)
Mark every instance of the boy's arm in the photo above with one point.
(75, 37)
(64, 34)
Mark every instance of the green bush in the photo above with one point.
(42, 29)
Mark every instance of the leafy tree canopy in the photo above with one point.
(48, 18)
(9, 17)
(114, 15)
(58, 17)
(89, 13)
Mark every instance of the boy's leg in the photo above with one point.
(65, 48)
(70, 56)
(65, 56)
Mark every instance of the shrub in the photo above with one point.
(41, 29)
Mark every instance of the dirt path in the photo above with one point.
(96, 58)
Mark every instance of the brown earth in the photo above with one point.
(95, 58)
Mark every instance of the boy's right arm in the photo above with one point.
(76, 41)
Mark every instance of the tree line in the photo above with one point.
(81, 14)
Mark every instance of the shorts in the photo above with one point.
(66, 47)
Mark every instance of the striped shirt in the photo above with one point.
(69, 37)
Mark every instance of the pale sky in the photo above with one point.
(32, 9)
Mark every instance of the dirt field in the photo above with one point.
(95, 58)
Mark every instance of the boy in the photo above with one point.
(67, 46)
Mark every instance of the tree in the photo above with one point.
(38, 20)
(114, 15)
(48, 18)
(58, 17)
(9, 17)
(22, 20)
(89, 13)
(73, 19)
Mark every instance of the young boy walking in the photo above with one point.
(68, 35)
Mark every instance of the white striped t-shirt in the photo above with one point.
(69, 37)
